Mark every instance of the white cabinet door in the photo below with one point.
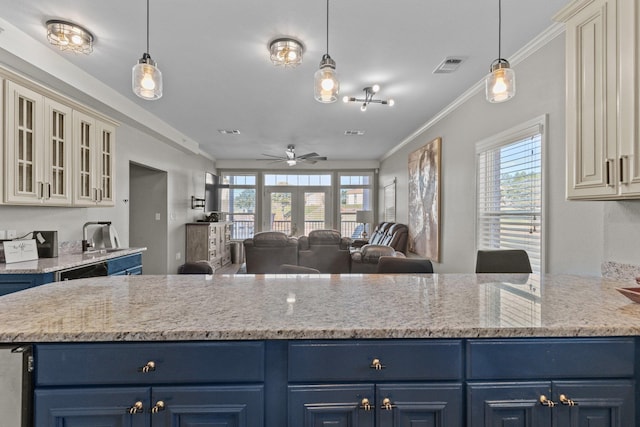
(93, 160)
(591, 105)
(58, 162)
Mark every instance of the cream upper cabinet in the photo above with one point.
(93, 160)
(37, 149)
(602, 99)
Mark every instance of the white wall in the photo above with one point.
(575, 231)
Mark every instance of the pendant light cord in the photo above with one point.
(327, 27)
(147, 26)
(499, 29)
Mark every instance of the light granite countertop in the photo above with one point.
(247, 307)
(64, 261)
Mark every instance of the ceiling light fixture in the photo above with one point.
(369, 91)
(68, 36)
(326, 85)
(501, 81)
(147, 78)
(286, 52)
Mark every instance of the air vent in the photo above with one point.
(449, 65)
(354, 132)
(229, 131)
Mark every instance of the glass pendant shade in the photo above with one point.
(326, 85)
(500, 84)
(147, 79)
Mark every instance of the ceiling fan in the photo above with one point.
(291, 159)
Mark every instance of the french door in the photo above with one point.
(296, 210)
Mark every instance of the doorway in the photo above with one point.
(148, 224)
(296, 211)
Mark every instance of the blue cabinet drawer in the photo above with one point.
(550, 358)
(323, 361)
(121, 264)
(124, 363)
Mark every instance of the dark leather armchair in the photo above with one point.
(365, 260)
(200, 267)
(268, 250)
(389, 234)
(324, 250)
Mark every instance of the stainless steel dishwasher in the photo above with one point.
(16, 385)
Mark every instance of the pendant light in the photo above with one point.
(147, 78)
(326, 85)
(501, 82)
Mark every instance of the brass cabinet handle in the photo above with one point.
(159, 406)
(377, 365)
(387, 405)
(136, 408)
(365, 404)
(546, 402)
(149, 367)
(566, 401)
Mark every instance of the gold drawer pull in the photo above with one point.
(377, 365)
(365, 404)
(149, 367)
(136, 408)
(159, 406)
(566, 401)
(546, 402)
(387, 405)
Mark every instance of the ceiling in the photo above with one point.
(217, 73)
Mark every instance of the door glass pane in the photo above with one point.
(280, 220)
(314, 212)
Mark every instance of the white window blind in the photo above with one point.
(509, 193)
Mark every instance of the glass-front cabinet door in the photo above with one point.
(94, 150)
(38, 149)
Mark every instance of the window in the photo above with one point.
(239, 200)
(509, 192)
(356, 191)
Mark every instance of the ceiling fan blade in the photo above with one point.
(271, 155)
(304, 156)
(315, 158)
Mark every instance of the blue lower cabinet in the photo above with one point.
(91, 407)
(410, 405)
(128, 265)
(10, 283)
(602, 403)
(220, 406)
(331, 405)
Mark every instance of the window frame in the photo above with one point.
(517, 133)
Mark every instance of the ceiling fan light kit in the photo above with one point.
(325, 81)
(286, 52)
(369, 92)
(146, 76)
(500, 84)
(69, 36)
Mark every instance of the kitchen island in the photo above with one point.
(287, 350)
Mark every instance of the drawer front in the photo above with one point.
(119, 264)
(550, 358)
(324, 361)
(123, 363)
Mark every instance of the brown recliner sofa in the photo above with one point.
(387, 239)
(268, 250)
(324, 250)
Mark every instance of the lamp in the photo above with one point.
(147, 78)
(286, 52)
(369, 91)
(364, 218)
(68, 36)
(326, 85)
(501, 81)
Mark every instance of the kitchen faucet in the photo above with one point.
(85, 241)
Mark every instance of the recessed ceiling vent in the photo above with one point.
(354, 132)
(449, 65)
(229, 131)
